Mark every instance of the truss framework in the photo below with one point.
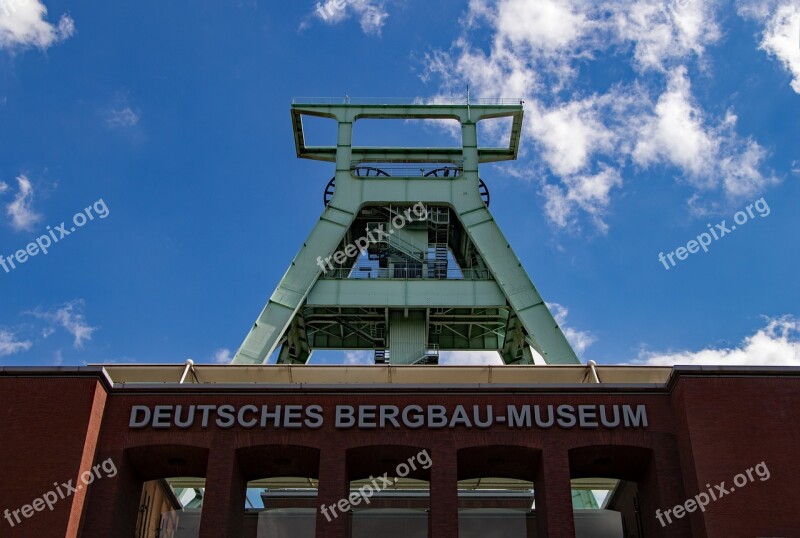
(445, 281)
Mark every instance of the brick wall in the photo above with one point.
(702, 429)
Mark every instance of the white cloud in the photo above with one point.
(530, 39)
(331, 11)
(23, 25)
(10, 345)
(470, 358)
(499, 74)
(756, 9)
(121, 118)
(20, 210)
(559, 24)
(358, 357)
(676, 132)
(778, 343)
(570, 133)
(781, 20)
(3, 187)
(554, 34)
(223, 356)
(70, 318)
(664, 31)
(372, 15)
(740, 164)
(711, 156)
(584, 142)
(569, 136)
(579, 340)
(590, 193)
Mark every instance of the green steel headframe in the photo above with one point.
(448, 281)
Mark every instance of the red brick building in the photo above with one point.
(130, 451)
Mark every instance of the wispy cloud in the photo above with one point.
(358, 357)
(663, 33)
(776, 344)
(222, 356)
(23, 24)
(579, 340)
(371, 15)
(590, 193)
(20, 210)
(10, 345)
(121, 118)
(470, 358)
(70, 318)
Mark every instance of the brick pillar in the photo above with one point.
(226, 487)
(553, 494)
(662, 488)
(334, 485)
(113, 503)
(87, 458)
(443, 520)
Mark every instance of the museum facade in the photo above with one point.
(341, 451)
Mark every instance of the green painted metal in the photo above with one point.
(490, 304)
(584, 499)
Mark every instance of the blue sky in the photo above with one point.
(645, 122)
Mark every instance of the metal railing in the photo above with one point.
(448, 171)
(439, 215)
(407, 271)
(428, 355)
(347, 100)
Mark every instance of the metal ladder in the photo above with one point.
(438, 236)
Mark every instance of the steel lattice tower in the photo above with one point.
(446, 279)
